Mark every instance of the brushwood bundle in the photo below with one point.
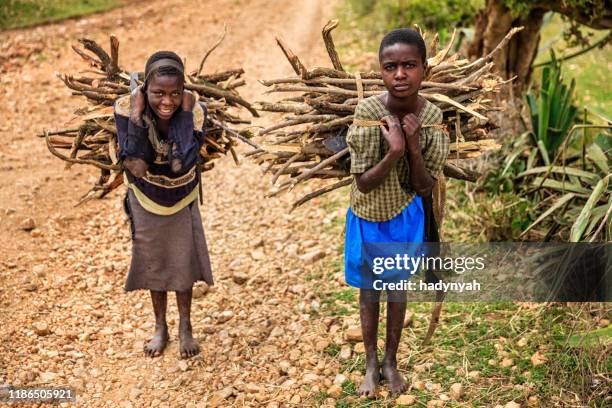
(309, 141)
(93, 140)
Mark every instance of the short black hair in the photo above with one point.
(404, 36)
(164, 70)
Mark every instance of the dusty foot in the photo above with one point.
(370, 381)
(397, 383)
(155, 347)
(188, 346)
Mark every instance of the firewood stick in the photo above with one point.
(320, 192)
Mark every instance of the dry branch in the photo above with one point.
(94, 142)
(303, 145)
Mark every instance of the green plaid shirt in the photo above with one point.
(367, 147)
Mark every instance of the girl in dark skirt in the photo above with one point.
(159, 131)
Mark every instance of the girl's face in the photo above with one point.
(165, 95)
(402, 69)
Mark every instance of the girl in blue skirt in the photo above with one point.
(394, 166)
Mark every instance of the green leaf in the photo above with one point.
(560, 186)
(581, 222)
(598, 157)
(596, 337)
(560, 169)
(543, 151)
(558, 204)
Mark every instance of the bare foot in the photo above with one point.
(397, 383)
(155, 347)
(189, 347)
(370, 382)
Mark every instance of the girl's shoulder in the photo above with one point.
(122, 108)
(430, 114)
(371, 108)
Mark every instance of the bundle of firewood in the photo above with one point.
(308, 143)
(93, 140)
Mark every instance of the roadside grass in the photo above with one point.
(25, 13)
(486, 347)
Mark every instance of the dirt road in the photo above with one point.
(65, 317)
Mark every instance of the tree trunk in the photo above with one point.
(492, 24)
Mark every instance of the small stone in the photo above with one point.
(30, 287)
(353, 334)
(39, 270)
(218, 397)
(538, 359)
(419, 368)
(321, 345)
(310, 377)
(359, 348)
(35, 233)
(199, 291)
(507, 362)
(474, 374)
(284, 366)
(345, 353)
(340, 379)
(225, 316)
(418, 385)
(252, 388)
(27, 224)
(240, 277)
(435, 403)
(335, 391)
(41, 329)
(435, 388)
(183, 366)
(312, 256)
(533, 401)
(135, 393)
(296, 399)
(456, 391)
(405, 399)
(276, 332)
(77, 384)
(512, 404)
(258, 255)
(522, 342)
(48, 377)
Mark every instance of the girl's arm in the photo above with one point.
(377, 174)
(424, 165)
(186, 144)
(132, 136)
(420, 179)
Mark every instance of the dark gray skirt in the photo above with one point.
(169, 252)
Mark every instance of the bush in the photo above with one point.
(430, 15)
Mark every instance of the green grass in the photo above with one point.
(25, 13)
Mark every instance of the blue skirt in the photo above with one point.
(363, 239)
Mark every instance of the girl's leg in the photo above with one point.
(188, 346)
(396, 311)
(158, 343)
(369, 310)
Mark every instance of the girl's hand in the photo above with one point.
(137, 104)
(188, 101)
(412, 129)
(393, 136)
